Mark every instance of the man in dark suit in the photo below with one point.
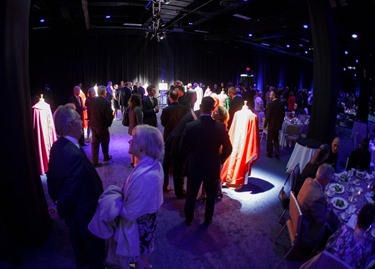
(173, 141)
(100, 120)
(150, 107)
(79, 105)
(235, 104)
(274, 121)
(170, 116)
(124, 96)
(140, 90)
(206, 145)
(75, 187)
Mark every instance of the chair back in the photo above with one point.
(296, 172)
(293, 130)
(264, 129)
(295, 219)
(261, 120)
(303, 117)
(325, 260)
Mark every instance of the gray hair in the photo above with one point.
(101, 90)
(150, 140)
(325, 172)
(62, 117)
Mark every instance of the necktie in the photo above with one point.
(79, 100)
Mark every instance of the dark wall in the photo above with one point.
(65, 60)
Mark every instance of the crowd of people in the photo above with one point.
(194, 145)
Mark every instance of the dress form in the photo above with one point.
(244, 136)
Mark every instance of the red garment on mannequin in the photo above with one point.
(244, 135)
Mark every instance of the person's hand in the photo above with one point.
(156, 109)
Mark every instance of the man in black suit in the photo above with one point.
(140, 89)
(150, 107)
(235, 104)
(125, 93)
(75, 187)
(100, 120)
(170, 116)
(274, 121)
(173, 141)
(206, 145)
(79, 105)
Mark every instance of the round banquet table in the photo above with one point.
(355, 193)
(303, 150)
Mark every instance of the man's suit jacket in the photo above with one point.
(275, 115)
(79, 106)
(313, 205)
(149, 115)
(170, 116)
(125, 94)
(206, 144)
(101, 113)
(73, 183)
(235, 105)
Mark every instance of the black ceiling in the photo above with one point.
(273, 24)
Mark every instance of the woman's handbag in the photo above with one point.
(125, 118)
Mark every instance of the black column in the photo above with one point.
(324, 110)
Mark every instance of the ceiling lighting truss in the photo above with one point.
(155, 29)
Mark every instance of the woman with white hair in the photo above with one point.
(127, 216)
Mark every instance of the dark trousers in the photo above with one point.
(89, 250)
(100, 136)
(167, 162)
(272, 141)
(81, 140)
(178, 175)
(193, 184)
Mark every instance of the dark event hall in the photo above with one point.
(204, 134)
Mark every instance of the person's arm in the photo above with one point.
(227, 147)
(108, 114)
(319, 211)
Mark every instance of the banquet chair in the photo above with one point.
(294, 225)
(325, 260)
(303, 117)
(264, 130)
(284, 199)
(357, 139)
(292, 132)
(261, 119)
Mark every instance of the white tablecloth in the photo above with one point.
(302, 155)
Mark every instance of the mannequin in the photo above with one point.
(244, 135)
(223, 99)
(44, 129)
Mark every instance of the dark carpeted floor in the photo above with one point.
(241, 235)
